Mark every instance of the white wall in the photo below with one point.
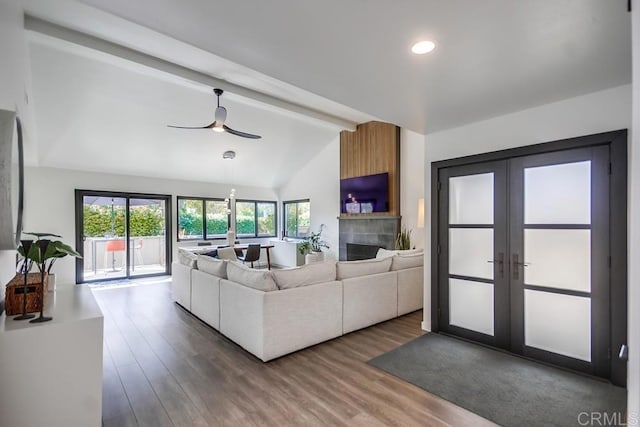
(319, 181)
(633, 375)
(411, 182)
(50, 201)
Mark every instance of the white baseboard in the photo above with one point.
(424, 327)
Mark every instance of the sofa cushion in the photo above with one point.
(348, 269)
(310, 274)
(217, 267)
(401, 262)
(387, 253)
(187, 258)
(256, 279)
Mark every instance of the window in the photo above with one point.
(266, 218)
(255, 219)
(297, 218)
(202, 218)
(217, 218)
(245, 219)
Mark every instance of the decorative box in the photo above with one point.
(14, 293)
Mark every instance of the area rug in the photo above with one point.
(500, 387)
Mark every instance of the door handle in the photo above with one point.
(516, 266)
(500, 262)
(624, 353)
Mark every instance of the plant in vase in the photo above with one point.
(312, 246)
(403, 239)
(45, 256)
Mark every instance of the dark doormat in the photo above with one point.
(500, 387)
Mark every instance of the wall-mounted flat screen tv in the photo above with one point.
(365, 194)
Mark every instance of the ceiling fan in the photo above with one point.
(218, 125)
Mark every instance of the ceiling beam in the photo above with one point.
(50, 29)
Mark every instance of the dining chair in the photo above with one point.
(227, 253)
(113, 246)
(252, 254)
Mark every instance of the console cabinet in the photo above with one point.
(51, 373)
(285, 253)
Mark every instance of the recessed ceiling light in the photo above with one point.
(422, 47)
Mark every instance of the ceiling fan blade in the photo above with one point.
(193, 127)
(238, 133)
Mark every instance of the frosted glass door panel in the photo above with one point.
(469, 251)
(558, 194)
(471, 305)
(471, 199)
(558, 258)
(558, 323)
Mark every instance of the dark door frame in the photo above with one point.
(617, 143)
(79, 194)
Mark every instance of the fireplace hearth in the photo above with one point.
(371, 232)
(357, 251)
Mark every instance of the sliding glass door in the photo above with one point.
(121, 235)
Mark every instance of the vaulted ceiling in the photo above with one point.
(346, 59)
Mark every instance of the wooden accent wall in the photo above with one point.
(373, 148)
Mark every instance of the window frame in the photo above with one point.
(284, 216)
(204, 201)
(255, 234)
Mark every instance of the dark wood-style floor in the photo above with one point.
(163, 367)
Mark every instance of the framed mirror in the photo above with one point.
(11, 180)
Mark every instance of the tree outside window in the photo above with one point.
(266, 219)
(202, 218)
(217, 218)
(190, 214)
(245, 219)
(297, 218)
(255, 218)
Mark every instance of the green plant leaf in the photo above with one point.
(56, 249)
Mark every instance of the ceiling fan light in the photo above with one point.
(217, 128)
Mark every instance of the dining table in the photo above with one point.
(242, 246)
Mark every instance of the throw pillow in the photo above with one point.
(187, 258)
(385, 253)
(310, 274)
(256, 279)
(217, 267)
(348, 269)
(400, 262)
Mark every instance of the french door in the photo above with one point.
(523, 256)
(121, 235)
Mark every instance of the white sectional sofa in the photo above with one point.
(273, 313)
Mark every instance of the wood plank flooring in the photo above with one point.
(164, 367)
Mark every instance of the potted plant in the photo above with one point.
(403, 239)
(56, 249)
(312, 246)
